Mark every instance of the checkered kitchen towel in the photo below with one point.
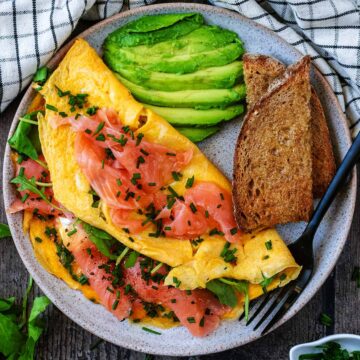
(328, 30)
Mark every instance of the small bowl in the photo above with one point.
(347, 341)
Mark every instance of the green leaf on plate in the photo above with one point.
(224, 292)
(4, 231)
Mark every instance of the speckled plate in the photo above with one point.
(329, 241)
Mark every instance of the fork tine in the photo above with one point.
(280, 298)
(260, 307)
(291, 297)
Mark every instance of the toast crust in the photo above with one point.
(273, 183)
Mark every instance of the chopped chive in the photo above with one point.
(122, 255)
(191, 320)
(139, 138)
(170, 154)
(176, 281)
(151, 331)
(156, 268)
(282, 277)
(265, 257)
(115, 304)
(202, 322)
(88, 131)
(102, 163)
(144, 152)
(355, 276)
(193, 208)
(127, 289)
(83, 280)
(110, 290)
(119, 182)
(99, 128)
(38, 239)
(222, 196)
(100, 137)
(51, 107)
(63, 114)
(233, 231)
(190, 182)
(72, 232)
(173, 301)
(92, 110)
(131, 260)
(167, 228)
(206, 214)
(152, 184)
(176, 175)
(117, 294)
(268, 244)
(41, 75)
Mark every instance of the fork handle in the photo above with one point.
(336, 183)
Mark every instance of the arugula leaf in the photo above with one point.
(224, 292)
(25, 302)
(6, 304)
(101, 239)
(4, 231)
(30, 184)
(243, 287)
(25, 139)
(131, 260)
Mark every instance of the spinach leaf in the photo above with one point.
(4, 231)
(29, 184)
(25, 139)
(224, 292)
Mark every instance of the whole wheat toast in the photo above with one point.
(260, 71)
(273, 159)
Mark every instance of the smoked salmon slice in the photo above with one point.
(198, 310)
(100, 274)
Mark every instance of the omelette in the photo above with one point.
(124, 208)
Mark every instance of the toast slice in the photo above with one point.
(273, 161)
(260, 71)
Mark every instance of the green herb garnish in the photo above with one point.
(131, 260)
(41, 75)
(151, 330)
(325, 319)
(268, 245)
(224, 292)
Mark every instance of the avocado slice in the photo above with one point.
(217, 77)
(199, 99)
(179, 64)
(197, 134)
(152, 29)
(197, 118)
(205, 38)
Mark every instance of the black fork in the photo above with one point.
(302, 248)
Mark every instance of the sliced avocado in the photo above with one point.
(197, 118)
(199, 99)
(197, 134)
(180, 64)
(205, 38)
(155, 28)
(217, 77)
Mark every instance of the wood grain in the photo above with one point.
(64, 340)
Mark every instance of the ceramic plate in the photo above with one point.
(329, 241)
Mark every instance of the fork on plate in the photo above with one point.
(302, 251)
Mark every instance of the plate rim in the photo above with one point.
(30, 94)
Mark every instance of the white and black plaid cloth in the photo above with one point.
(328, 30)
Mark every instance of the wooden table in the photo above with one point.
(63, 339)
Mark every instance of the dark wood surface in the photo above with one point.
(65, 340)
